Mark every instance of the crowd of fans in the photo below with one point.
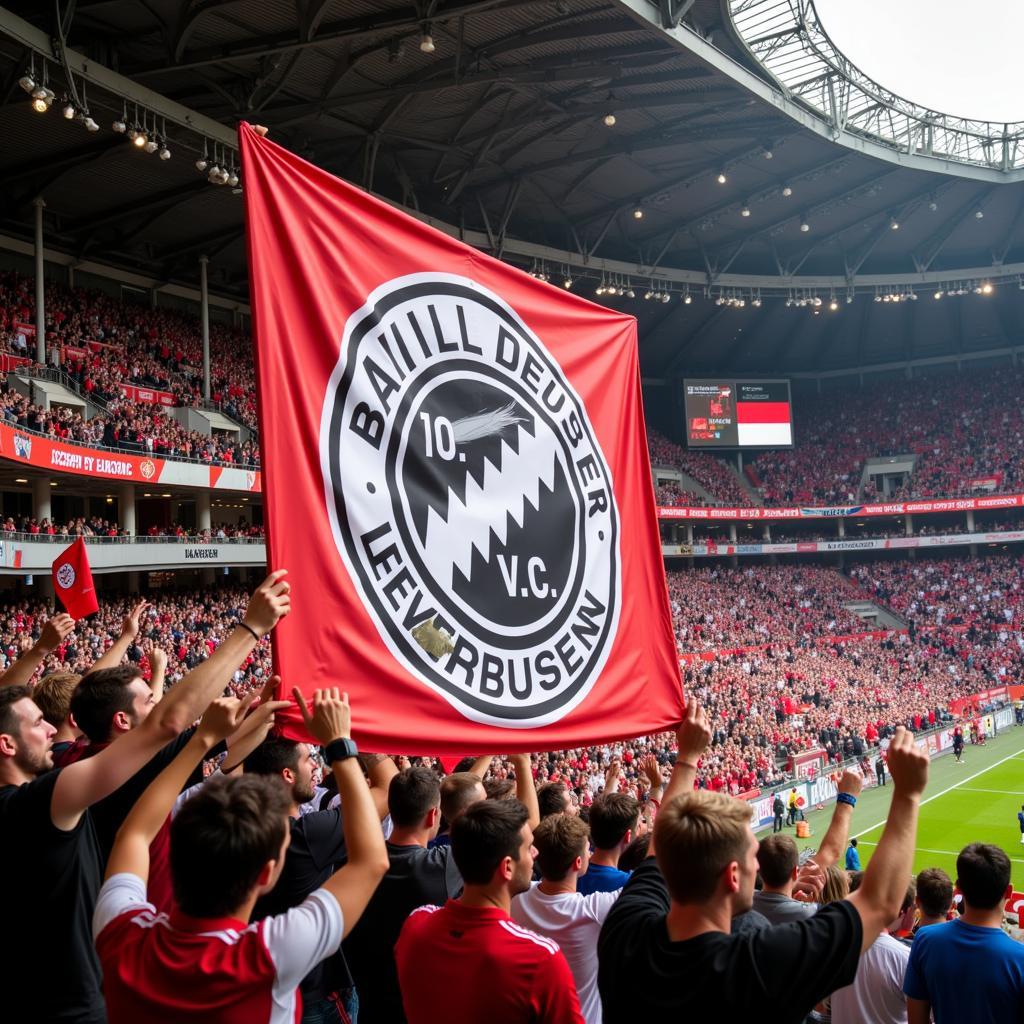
(494, 892)
(102, 344)
(718, 479)
(96, 526)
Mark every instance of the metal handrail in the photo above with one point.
(19, 537)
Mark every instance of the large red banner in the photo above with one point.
(456, 480)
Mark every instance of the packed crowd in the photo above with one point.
(95, 526)
(718, 479)
(141, 429)
(966, 429)
(102, 344)
(486, 894)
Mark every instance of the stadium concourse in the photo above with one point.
(836, 273)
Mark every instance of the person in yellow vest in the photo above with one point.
(794, 807)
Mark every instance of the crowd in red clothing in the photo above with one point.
(96, 526)
(718, 479)
(102, 343)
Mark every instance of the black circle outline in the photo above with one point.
(370, 320)
(401, 415)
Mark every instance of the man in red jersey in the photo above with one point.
(204, 962)
(468, 960)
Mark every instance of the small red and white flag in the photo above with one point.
(456, 477)
(72, 581)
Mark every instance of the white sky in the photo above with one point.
(958, 57)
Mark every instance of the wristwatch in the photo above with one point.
(340, 750)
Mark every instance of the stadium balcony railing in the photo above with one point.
(159, 538)
(23, 554)
(138, 449)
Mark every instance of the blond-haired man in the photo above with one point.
(669, 932)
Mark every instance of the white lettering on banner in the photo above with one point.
(114, 467)
(202, 554)
(66, 459)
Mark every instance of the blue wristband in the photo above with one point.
(846, 798)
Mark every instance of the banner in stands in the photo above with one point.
(44, 453)
(479, 559)
(713, 549)
(9, 362)
(137, 394)
(899, 508)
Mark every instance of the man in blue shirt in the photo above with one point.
(853, 857)
(1020, 821)
(973, 947)
(613, 819)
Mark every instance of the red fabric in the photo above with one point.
(529, 548)
(72, 580)
(488, 968)
(763, 412)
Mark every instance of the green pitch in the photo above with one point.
(976, 801)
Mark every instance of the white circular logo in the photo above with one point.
(66, 575)
(471, 501)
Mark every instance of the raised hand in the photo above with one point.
(55, 631)
(224, 716)
(907, 765)
(330, 717)
(131, 622)
(693, 734)
(269, 603)
(851, 782)
(650, 767)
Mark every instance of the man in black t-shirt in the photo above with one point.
(315, 852)
(418, 876)
(49, 854)
(669, 931)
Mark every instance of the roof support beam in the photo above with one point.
(925, 255)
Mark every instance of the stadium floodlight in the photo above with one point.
(804, 226)
(426, 39)
(933, 206)
(151, 145)
(27, 82)
(567, 283)
(599, 290)
(214, 176)
(139, 139)
(979, 214)
(833, 305)
(68, 110)
(722, 179)
(42, 97)
(688, 298)
(745, 212)
(630, 294)
(768, 154)
(878, 298)
(89, 124)
(666, 296)
(894, 224)
(787, 191)
(165, 154)
(938, 295)
(986, 288)
(609, 120)
(638, 213)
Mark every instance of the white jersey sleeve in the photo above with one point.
(299, 939)
(119, 893)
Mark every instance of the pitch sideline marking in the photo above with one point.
(1002, 792)
(948, 853)
(949, 789)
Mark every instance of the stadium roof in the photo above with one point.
(501, 133)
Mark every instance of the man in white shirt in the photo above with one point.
(877, 992)
(555, 909)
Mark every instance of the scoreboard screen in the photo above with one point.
(738, 414)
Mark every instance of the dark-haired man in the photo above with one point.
(49, 850)
(554, 908)
(934, 897)
(417, 875)
(316, 850)
(974, 946)
(468, 960)
(613, 818)
(668, 933)
(204, 962)
(459, 790)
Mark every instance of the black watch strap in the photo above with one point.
(339, 750)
